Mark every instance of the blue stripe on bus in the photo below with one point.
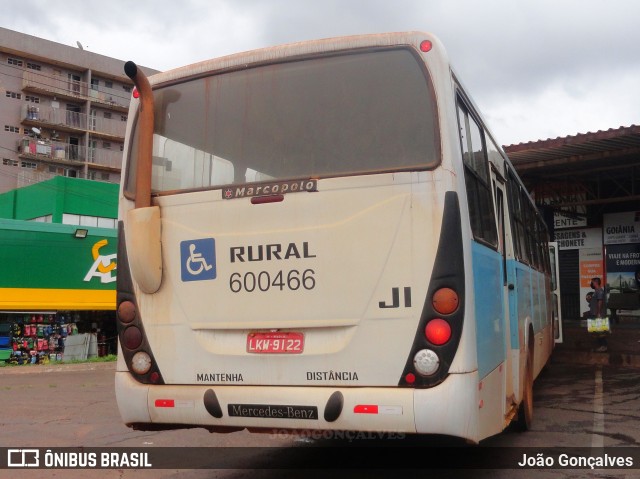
(526, 300)
(489, 308)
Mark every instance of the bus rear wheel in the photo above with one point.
(525, 412)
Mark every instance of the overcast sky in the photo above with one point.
(537, 69)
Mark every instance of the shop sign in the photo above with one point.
(565, 220)
(622, 228)
(103, 266)
(579, 238)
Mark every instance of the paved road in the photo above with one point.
(575, 406)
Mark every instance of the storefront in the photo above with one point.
(57, 291)
(580, 261)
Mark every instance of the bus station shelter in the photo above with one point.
(588, 186)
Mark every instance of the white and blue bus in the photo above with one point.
(325, 236)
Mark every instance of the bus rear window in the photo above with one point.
(325, 116)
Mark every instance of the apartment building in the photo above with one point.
(63, 111)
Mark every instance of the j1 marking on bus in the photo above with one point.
(395, 299)
(198, 259)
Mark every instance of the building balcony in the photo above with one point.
(51, 151)
(74, 90)
(69, 155)
(109, 98)
(73, 122)
(59, 87)
(105, 159)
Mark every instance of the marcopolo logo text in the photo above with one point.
(278, 188)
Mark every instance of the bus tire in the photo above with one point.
(525, 411)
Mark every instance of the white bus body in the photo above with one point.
(283, 273)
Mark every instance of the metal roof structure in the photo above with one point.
(591, 169)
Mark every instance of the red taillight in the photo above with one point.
(132, 338)
(437, 332)
(445, 301)
(136, 93)
(426, 45)
(410, 378)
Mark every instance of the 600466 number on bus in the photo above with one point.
(264, 281)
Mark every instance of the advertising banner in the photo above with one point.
(622, 240)
(623, 267)
(591, 266)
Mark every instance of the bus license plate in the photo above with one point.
(275, 343)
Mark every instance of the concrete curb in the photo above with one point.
(56, 368)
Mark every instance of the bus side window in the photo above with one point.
(501, 230)
(500, 213)
(476, 174)
(517, 219)
(530, 228)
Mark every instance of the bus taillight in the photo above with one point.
(426, 46)
(136, 93)
(134, 345)
(132, 338)
(439, 328)
(141, 363)
(445, 301)
(426, 362)
(437, 332)
(127, 312)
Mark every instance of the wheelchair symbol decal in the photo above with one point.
(198, 259)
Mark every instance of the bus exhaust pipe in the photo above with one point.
(145, 135)
(143, 239)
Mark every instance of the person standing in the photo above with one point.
(597, 310)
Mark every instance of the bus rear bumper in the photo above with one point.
(439, 410)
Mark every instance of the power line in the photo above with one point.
(8, 149)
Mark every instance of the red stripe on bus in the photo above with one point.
(366, 409)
